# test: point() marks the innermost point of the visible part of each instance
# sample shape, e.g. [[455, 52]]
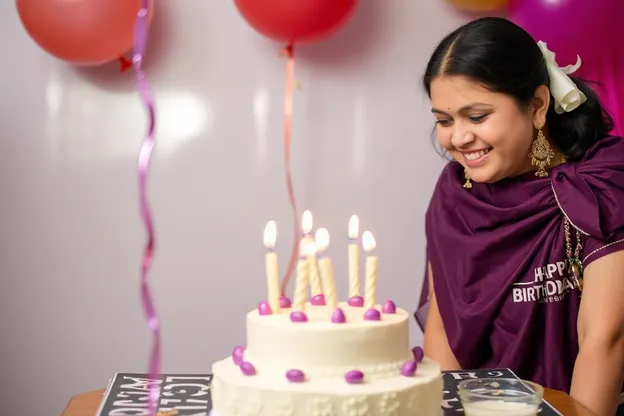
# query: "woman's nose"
[[462, 137]]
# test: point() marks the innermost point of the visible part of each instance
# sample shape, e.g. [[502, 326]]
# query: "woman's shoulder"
[[605, 155], [447, 184], [608, 148], [591, 192], [450, 177]]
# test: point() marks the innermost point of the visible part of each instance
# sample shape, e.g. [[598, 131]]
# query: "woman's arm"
[[436, 344], [599, 368]]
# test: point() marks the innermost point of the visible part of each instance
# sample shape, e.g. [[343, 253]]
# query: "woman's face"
[[484, 131]]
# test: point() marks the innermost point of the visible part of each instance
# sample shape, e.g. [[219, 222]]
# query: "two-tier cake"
[[326, 358]]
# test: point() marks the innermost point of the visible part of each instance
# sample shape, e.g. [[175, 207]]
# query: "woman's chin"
[[484, 176]]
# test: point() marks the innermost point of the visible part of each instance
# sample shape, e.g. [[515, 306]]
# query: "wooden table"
[[87, 404]]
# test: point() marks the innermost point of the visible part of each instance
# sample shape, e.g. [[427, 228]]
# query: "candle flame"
[[307, 248], [270, 235], [354, 227], [322, 239], [310, 248], [368, 241], [306, 222]]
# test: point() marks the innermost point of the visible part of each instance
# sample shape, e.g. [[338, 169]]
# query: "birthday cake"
[[321, 357]]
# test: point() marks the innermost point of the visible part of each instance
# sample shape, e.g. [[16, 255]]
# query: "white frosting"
[[321, 348], [234, 394], [324, 351], [499, 407]]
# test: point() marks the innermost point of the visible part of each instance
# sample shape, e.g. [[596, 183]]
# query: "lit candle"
[[372, 264], [307, 247], [315, 280], [306, 230], [272, 268], [354, 257], [301, 284], [326, 268]]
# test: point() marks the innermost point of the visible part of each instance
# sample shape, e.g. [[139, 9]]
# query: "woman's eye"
[[443, 122], [477, 119]]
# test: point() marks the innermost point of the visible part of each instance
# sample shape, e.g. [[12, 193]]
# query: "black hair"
[[505, 58]]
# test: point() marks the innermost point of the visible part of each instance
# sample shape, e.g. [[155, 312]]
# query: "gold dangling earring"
[[541, 153], [467, 184]]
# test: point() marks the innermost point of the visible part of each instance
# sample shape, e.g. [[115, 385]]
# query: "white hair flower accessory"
[[565, 92]]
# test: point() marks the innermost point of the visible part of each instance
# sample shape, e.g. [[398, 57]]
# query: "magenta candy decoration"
[[295, 376], [237, 354], [409, 368], [285, 302], [419, 354], [264, 308], [298, 316], [356, 301], [338, 317], [372, 315], [247, 368], [318, 300], [389, 307], [354, 377]]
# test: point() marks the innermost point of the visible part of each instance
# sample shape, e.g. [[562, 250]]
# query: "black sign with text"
[[127, 394], [189, 394], [451, 403]]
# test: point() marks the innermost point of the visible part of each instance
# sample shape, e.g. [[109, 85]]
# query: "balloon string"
[[288, 111], [140, 42]]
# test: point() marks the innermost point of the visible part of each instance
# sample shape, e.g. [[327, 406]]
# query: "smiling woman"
[[533, 197], [483, 130], [487, 96]]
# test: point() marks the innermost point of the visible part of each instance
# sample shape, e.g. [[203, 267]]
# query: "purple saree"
[[498, 257]]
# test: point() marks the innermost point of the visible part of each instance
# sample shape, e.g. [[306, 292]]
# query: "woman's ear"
[[541, 101]]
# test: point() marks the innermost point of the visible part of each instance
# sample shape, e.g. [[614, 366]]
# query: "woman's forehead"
[[453, 93]]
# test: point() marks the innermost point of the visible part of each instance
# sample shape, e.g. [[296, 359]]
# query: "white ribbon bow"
[[565, 92]]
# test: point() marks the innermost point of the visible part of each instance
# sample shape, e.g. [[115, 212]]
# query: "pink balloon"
[[82, 32], [571, 27], [591, 29]]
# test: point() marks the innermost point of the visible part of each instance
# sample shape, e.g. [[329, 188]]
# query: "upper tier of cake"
[[321, 348]]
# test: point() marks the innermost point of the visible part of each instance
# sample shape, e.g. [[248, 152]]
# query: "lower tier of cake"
[[236, 394]]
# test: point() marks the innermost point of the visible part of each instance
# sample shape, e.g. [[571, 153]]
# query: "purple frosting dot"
[[354, 377], [389, 307], [409, 368], [247, 368], [419, 354], [356, 301], [237, 354], [298, 316], [295, 376], [285, 302], [264, 308], [338, 317], [318, 300], [372, 315]]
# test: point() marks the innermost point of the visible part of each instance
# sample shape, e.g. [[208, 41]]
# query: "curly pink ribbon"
[[140, 42], [289, 53]]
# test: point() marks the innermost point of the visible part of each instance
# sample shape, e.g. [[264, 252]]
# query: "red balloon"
[[296, 21], [89, 32]]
